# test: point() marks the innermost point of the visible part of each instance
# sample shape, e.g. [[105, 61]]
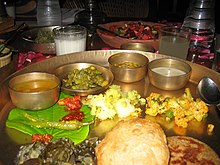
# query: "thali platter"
[[10, 140]]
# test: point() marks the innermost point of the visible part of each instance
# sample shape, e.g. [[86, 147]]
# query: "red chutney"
[[43, 138], [74, 115], [73, 103]]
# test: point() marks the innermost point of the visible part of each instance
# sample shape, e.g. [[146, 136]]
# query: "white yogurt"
[[167, 71]]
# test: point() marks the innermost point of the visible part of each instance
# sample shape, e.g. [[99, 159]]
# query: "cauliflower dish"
[[115, 102], [181, 109]]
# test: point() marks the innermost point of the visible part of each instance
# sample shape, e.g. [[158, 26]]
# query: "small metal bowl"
[[126, 74], [34, 91], [138, 46], [63, 71], [169, 74]]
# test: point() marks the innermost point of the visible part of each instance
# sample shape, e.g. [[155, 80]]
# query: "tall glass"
[[216, 63], [174, 41], [70, 39]]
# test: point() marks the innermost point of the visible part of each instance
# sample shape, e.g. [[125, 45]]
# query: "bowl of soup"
[[34, 91]]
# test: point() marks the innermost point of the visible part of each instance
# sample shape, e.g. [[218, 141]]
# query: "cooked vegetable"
[[67, 125], [58, 152], [127, 65], [136, 30], [115, 102], [17, 118], [183, 109], [86, 78], [44, 36], [61, 151]]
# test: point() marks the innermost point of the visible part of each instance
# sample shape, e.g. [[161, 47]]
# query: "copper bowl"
[[128, 75], [169, 74], [34, 91]]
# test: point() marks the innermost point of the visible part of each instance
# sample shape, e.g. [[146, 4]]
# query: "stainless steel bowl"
[[138, 46], [169, 74], [128, 75], [29, 37], [34, 91], [63, 71]]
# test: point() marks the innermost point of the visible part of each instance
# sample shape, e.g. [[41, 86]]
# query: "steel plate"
[[10, 140]]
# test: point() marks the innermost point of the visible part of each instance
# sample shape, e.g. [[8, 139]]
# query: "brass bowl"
[[128, 75], [63, 71], [29, 37], [169, 74], [34, 91], [138, 46]]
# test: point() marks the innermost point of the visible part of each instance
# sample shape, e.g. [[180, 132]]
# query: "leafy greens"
[[17, 120]]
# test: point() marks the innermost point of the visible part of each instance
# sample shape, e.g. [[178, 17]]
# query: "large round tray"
[[10, 140]]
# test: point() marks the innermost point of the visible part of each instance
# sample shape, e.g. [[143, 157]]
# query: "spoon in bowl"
[[209, 92]]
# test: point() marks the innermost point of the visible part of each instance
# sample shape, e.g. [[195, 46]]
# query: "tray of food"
[[175, 122]]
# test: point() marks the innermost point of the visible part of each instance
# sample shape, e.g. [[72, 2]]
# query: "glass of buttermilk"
[[70, 39]]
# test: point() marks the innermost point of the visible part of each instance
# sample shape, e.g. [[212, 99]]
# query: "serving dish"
[[5, 54], [29, 38], [10, 139], [169, 74], [38, 88], [63, 71], [116, 41], [128, 67]]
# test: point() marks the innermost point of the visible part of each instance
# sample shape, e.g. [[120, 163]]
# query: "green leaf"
[[16, 120]]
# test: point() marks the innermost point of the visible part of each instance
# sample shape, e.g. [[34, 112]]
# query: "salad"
[[136, 30]]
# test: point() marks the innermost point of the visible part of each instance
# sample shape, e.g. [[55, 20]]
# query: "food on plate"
[[136, 30], [86, 78], [61, 151], [190, 151], [127, 65], [37, 85], [65, 125], [115, 102], [44, 36], [182, 109], [135, 141], [210, 128], [57, 121]]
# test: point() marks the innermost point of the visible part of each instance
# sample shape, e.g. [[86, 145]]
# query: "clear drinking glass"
[[216, 63], [174, 41], [70, 39]]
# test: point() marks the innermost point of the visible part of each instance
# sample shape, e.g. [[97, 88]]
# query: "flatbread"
[[134, 142], [186, 150]]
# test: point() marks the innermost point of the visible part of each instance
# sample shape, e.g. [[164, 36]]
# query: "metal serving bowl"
[[169, 74], [63, 71], [30, 36], [34, 91], [126, 74]]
